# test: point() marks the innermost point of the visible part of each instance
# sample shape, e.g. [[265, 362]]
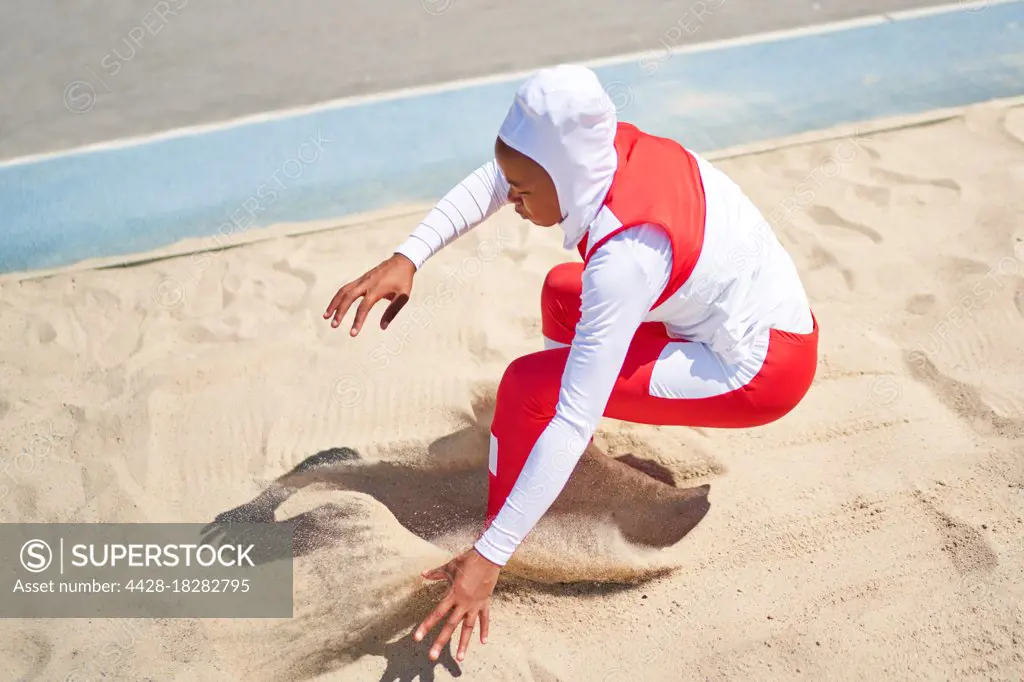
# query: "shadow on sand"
[[445, 493]]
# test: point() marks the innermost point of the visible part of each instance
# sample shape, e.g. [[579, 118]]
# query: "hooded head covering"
[[564, 120]]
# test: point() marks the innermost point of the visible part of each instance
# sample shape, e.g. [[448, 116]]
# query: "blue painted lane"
[[374, 155]]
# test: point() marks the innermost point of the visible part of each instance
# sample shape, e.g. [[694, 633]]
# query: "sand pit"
[[877, 532]]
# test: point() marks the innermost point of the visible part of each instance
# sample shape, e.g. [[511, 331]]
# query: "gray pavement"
[[160, 64]]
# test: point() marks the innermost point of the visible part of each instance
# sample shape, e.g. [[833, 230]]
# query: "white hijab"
[[564, 120]]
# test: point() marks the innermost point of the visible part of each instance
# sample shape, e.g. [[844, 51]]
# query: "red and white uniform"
[[685, 309]]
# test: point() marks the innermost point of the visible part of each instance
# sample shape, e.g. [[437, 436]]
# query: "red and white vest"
[[657, 182]]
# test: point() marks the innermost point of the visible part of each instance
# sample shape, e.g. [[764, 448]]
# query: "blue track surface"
[[64, 209]]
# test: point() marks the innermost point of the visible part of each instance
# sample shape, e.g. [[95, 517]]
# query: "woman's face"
[[531, 189]]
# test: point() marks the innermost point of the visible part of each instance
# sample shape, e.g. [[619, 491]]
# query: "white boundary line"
[[404, 93], [201, 244], [972, 7]]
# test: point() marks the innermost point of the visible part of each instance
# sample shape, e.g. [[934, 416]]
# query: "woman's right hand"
[[391, 280]]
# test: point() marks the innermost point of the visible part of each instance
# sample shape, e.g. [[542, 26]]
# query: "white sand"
[[874, 533]]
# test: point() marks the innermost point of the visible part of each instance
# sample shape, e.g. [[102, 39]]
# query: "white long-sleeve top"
[[621, 282]]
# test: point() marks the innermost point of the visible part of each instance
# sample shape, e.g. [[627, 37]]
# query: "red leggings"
[[528, 392]]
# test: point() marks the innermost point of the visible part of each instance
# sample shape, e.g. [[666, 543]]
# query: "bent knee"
[[532, 382], [560, 302], [564, 281]]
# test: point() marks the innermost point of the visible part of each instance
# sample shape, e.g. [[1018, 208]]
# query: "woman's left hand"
[[472, 579]]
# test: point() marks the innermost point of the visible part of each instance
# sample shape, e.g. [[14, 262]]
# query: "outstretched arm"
[[467, 205], [621, 282], [464, 207]]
